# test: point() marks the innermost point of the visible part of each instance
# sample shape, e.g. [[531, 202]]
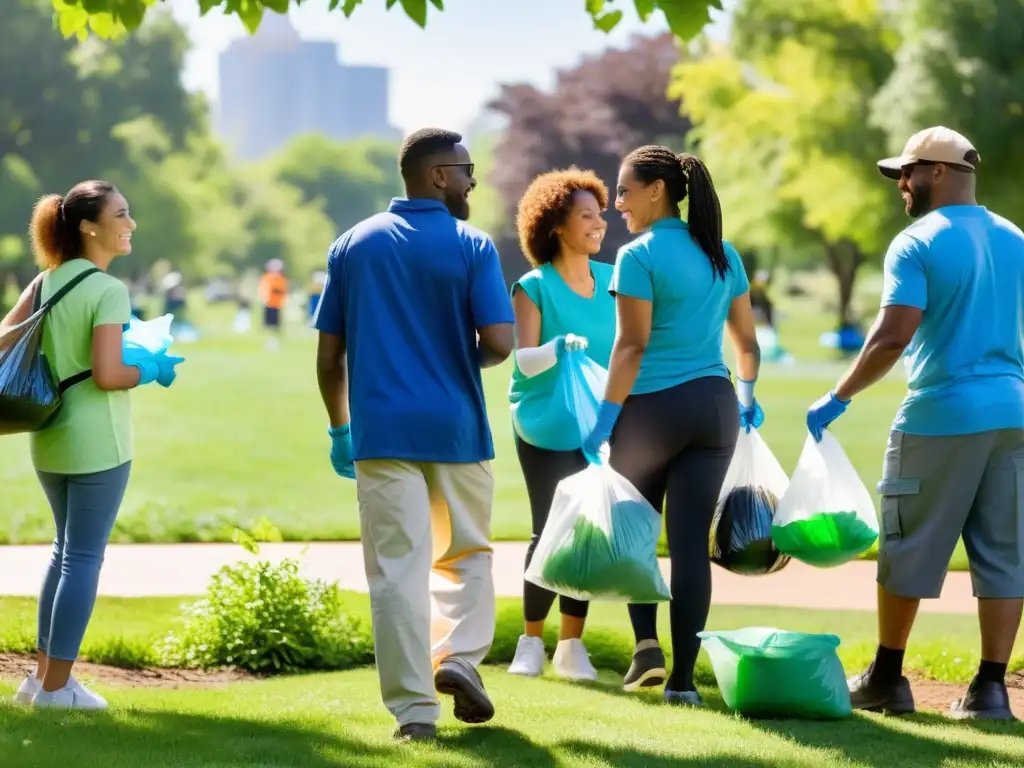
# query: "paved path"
[[150, 570]]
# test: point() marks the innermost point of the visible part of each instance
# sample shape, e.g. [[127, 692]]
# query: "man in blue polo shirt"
[[414, 306], [953, 298]]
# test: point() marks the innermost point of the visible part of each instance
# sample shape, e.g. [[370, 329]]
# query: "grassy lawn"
[[337, 719], [944, 647], [242, 435]]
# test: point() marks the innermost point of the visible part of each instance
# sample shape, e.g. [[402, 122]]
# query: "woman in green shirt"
[[83, 458], [560, 228]]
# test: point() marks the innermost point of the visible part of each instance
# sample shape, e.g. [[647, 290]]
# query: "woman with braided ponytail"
[[669, 399]]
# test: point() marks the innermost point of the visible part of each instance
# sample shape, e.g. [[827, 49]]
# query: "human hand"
[[607, 415], [752, 417], [572, 342], [166, 364], [341, 451], [821, 415]]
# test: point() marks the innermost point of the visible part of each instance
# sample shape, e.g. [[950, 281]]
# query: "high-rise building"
[[275, 86]]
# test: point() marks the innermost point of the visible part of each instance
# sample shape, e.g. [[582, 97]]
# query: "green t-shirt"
[[93, 431], [563, 311]]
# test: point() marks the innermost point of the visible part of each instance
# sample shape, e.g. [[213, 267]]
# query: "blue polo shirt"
[[964, 268], [666, 267], [407, 289]]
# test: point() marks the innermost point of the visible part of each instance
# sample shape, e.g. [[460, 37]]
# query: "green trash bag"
[[600, 541], [766, 672], [826, 517]]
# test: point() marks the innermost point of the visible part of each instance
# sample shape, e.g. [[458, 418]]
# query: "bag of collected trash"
[[826, 517], [559, 421], [152, 335], [767, 672], [741, 530], [600, 541], [30, 395]]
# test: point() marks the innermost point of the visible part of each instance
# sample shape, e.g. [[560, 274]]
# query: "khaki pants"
[[426, 543]]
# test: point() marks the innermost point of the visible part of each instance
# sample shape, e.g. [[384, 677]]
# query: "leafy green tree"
[[781, 118], [109, 18], [351, 180]]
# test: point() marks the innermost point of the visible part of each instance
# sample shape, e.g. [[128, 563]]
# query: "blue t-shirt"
[[562, 311], [407, 290], [691, 301], [964, 268]]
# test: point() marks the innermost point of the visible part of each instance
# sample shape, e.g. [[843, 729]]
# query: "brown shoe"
[[416, 732]]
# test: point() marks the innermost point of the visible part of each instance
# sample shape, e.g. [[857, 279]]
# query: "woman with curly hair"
[[669, 399], [562, 303]]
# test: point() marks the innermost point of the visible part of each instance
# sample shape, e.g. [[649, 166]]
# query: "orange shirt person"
[[273, 294]]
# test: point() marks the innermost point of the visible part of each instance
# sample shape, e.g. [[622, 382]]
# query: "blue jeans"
[[84, 509]]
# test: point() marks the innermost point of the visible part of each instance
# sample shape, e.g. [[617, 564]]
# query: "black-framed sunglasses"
[[468, 166], [909, 169]]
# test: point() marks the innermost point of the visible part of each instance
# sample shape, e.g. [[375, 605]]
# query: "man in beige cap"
[[954, 466]]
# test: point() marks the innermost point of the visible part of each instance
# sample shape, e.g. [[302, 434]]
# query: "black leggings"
[[675, 447], [543, 470]]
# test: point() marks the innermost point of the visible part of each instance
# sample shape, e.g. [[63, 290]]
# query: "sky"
[[445, 74]]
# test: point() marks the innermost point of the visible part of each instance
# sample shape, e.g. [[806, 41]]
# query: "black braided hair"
[[681, 174]]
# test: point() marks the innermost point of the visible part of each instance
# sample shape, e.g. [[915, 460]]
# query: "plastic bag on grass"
[[560, 422], [741, 530], [826, 517], [600, 541], [766, 672]]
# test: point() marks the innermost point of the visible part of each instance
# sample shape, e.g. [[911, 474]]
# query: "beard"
[[458, 206], [920, 201]]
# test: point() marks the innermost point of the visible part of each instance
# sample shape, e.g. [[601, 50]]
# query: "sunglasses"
[[468, 166]]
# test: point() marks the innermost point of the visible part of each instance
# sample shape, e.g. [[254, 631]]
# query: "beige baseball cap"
[[934, 145]]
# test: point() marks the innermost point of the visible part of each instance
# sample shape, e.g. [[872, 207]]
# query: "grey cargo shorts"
[[937, 489]]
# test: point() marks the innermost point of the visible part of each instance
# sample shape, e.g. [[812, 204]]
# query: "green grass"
[[123, 632], [242, 434], [337, 719], [327, 720]]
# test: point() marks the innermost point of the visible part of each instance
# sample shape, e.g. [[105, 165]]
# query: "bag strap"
[[78, 378]]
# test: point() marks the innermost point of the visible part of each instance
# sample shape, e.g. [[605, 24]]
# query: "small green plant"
[[267, 618]]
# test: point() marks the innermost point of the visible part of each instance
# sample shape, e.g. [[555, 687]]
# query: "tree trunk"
[[844, 259]]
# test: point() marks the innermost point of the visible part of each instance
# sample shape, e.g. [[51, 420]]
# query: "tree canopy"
[[109, 18]]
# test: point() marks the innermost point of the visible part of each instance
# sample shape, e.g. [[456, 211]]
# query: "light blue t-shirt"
[[964, 268], [564, 311], [691, 302], [407, 290]]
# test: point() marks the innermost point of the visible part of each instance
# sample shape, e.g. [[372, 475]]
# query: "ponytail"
[[55, 230], [46, 232], [686, 175], [705, 212]]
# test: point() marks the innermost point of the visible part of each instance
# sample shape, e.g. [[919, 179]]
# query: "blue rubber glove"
[[821, 415], [166, 364], [148, 370], [132, 354], [607, 415], [341, 451], [751, 415]]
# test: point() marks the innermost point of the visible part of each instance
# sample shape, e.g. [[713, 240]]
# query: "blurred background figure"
[[316, 289], [274, 296]]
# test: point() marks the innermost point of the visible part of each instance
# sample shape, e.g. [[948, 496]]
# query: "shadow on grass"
[[640, 759], [921, 739]]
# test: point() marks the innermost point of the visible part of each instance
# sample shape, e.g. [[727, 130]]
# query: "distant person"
[[315, 291], [670, 410], [273, 290], [560, 228], [760, 301], [84, 457], [951, 299], [415, 305]]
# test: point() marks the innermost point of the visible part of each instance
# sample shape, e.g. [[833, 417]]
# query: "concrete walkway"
[[151, 570]]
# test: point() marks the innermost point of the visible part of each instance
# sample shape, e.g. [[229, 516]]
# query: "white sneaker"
[[28, 688], [529, 659], [74, 695], [572, 661]]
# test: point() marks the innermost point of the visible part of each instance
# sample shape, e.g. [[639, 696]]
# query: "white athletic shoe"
[[529, 659], [572, 661], [28, 688], [74, 695]]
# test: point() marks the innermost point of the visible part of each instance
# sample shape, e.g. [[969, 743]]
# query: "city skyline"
[[443, 75]]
